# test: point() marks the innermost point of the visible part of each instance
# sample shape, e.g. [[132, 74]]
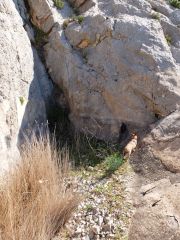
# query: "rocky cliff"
[[118, 62], [24, 84]]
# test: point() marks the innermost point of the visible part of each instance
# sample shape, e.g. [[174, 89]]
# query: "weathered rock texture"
[[22, 81], [116, 66], [120, 63], [164, 142], [157, 162], [158, 214]]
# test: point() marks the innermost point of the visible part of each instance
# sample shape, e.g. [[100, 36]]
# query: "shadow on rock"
[[32, 112]]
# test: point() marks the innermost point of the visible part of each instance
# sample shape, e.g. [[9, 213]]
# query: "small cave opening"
[[59, 124], [123, 132]]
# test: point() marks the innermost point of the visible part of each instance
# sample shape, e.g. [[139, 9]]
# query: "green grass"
[[84, 150], [58, 3], [113, 162], [22, 100], [175, 3], [89, 208], [79, 18], [99, 189], [156, 16], [40, 37], [168, 39], [89, 151]]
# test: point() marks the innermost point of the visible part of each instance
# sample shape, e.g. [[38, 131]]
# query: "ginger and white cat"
[[130, 147]]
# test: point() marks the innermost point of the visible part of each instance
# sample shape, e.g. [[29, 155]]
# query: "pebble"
[[100, 220], [95, 217], [106, 228]]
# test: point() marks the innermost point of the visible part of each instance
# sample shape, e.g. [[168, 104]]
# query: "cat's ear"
[[134, 135]]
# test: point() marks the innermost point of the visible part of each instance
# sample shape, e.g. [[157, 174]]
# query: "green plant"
[[89, 151], [89, 207], [59, 4], [80, 19], [40, 37], [168, 39], [84, 150], [175, 3], [113, 162], [22, 100], [156, 16], [99, 189], [65, 24]]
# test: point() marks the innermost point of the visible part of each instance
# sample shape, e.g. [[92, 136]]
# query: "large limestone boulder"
[[24, 85], [118, 64], [165, 142], [157, 162], [159, 151], [121, 64]]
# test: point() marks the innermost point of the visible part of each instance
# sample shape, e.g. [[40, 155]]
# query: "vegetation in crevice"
[[22, 100], [40, 37], [59, 3], [79, 19], [156, 16], [168, 39], [175, 3]]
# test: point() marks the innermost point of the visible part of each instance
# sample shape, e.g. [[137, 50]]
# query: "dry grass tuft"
[[34, 202]]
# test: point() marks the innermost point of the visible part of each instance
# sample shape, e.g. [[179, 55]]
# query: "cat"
[[130, 147]]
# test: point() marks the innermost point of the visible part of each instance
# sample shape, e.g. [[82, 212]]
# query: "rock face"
[[157, 161], [158, 214], [117, 64], [22, 81], [121, 64], [160, 149], [164, 142]]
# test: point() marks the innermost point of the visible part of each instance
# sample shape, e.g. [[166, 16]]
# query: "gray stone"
[[106, 227], [166, 142], [159, 150], [22, 105], [176, 54], [175, 17], [158, 214], [94, 230], [110, 63], [162, 7], [122, 65]]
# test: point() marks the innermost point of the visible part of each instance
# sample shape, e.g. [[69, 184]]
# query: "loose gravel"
[[106, 207]]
